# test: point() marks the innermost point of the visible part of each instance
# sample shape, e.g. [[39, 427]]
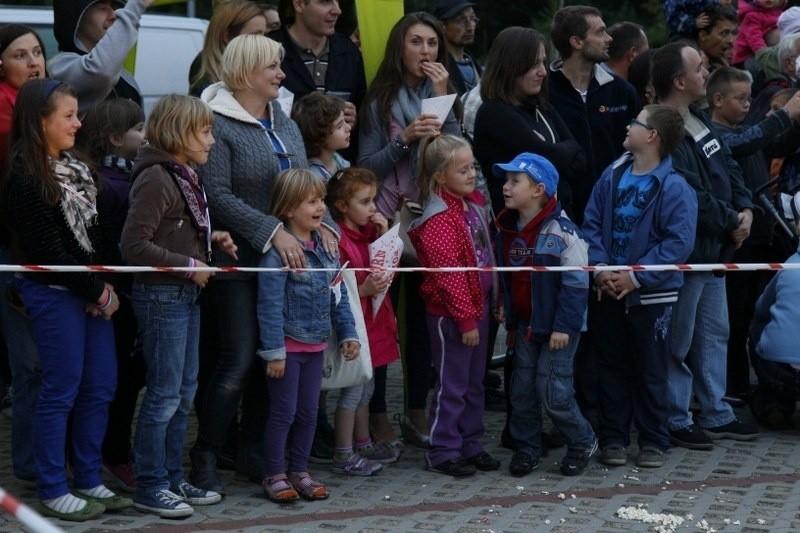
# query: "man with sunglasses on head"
[[459, 24]]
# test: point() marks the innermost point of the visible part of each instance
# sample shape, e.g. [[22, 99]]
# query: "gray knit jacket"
[[240, 172]]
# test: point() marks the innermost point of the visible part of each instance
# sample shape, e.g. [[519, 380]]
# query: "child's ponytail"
[[435, 152]]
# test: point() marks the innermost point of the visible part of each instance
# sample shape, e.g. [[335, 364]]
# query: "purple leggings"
[[293, 403]]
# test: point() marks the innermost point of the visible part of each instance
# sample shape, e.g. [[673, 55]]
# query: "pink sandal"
[[307, 487], [277, 489]]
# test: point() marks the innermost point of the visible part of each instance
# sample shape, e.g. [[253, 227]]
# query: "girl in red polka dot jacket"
[[453, 231]]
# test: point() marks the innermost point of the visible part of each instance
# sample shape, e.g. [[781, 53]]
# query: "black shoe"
[[575, 462], [483, 462], [203, 474], [495, 401], [454, 467], [522, 464], [691, 437], [736, 430]]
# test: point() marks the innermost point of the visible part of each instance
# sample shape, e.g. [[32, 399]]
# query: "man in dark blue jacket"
[[725, 213], [595, 105]]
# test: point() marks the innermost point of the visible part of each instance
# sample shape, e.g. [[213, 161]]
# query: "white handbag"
[[337, 372]]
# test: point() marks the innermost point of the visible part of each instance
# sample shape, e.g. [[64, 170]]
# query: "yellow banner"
[[375, 20]]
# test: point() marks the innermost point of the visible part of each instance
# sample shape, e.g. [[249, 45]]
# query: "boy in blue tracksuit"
[[545, 312], [640, 212]]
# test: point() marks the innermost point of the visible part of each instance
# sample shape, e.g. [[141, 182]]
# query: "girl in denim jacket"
[[296, 309]]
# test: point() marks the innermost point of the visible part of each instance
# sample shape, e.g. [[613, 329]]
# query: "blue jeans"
[[543, 378], [699, 331], [79, 374], [169, 323], [26, 378]]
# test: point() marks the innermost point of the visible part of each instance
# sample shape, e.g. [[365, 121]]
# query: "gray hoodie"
[[99, 73]]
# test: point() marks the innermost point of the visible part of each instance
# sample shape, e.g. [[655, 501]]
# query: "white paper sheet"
[[439, 106], [385, 253]]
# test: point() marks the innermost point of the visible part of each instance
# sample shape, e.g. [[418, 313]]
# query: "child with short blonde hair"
[[453, 231], [296, 310], [168, 225]]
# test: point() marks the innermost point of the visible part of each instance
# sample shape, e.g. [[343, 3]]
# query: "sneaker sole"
[[164, 513], [731, 436], [346, 472], [692, 445], [614, 462], [208, 500], [650, 464]]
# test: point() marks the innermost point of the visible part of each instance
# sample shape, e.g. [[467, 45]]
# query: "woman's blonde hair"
[[245, 54], [293, 187], [434, 154], [225, 24], [175, 120]]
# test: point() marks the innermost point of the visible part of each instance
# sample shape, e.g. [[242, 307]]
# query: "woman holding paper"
[[392, 124], [255, 141]]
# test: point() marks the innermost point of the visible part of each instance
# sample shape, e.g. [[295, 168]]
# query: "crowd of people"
[[606, 154]]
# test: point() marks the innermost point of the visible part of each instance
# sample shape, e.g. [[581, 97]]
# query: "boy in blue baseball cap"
[[534, 231]]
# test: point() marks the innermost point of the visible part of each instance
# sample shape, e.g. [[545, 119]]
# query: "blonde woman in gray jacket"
[[255, 141]]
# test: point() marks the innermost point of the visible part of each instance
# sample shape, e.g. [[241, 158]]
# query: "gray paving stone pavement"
[[736, 487]]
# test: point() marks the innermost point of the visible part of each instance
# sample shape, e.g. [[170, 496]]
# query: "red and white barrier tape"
[[710, 267], [27, 516]]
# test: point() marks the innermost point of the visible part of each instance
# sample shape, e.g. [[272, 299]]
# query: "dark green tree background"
[[494, 14]]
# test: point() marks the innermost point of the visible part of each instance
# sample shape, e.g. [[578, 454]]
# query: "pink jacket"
[[381, 330], [755, 23], [442, 239]]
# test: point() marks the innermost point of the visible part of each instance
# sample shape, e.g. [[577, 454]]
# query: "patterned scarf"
[[195, 197], [78, 198]]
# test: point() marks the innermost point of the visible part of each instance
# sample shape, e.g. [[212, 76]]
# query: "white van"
[[166, 48]]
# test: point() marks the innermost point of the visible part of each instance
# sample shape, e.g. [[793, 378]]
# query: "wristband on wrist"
[[398, 142], [192, 263], [108, 301]]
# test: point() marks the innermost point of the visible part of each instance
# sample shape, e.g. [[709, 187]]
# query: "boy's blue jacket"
[[300, 304], [663, 234], [558, 299]]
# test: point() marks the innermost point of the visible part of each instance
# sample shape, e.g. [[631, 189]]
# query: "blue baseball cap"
[[539, 169]]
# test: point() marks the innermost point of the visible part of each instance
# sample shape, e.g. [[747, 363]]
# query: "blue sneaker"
[[194, 496], [162, 503]]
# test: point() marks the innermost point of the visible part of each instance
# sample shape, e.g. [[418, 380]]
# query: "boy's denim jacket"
[[301, 304]]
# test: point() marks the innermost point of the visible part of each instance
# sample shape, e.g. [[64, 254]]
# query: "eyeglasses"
[[741, 99], [635, 122], [464, 21]]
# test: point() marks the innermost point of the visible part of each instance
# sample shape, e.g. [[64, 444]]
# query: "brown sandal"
[[307, 487], [278, 489]]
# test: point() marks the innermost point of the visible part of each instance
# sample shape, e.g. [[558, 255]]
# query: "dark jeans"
[[632, 348], [743, 289], [778, 387], [233, 302]]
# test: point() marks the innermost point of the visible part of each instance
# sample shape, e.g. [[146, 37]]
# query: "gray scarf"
[[78, 196], [406, 107]]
